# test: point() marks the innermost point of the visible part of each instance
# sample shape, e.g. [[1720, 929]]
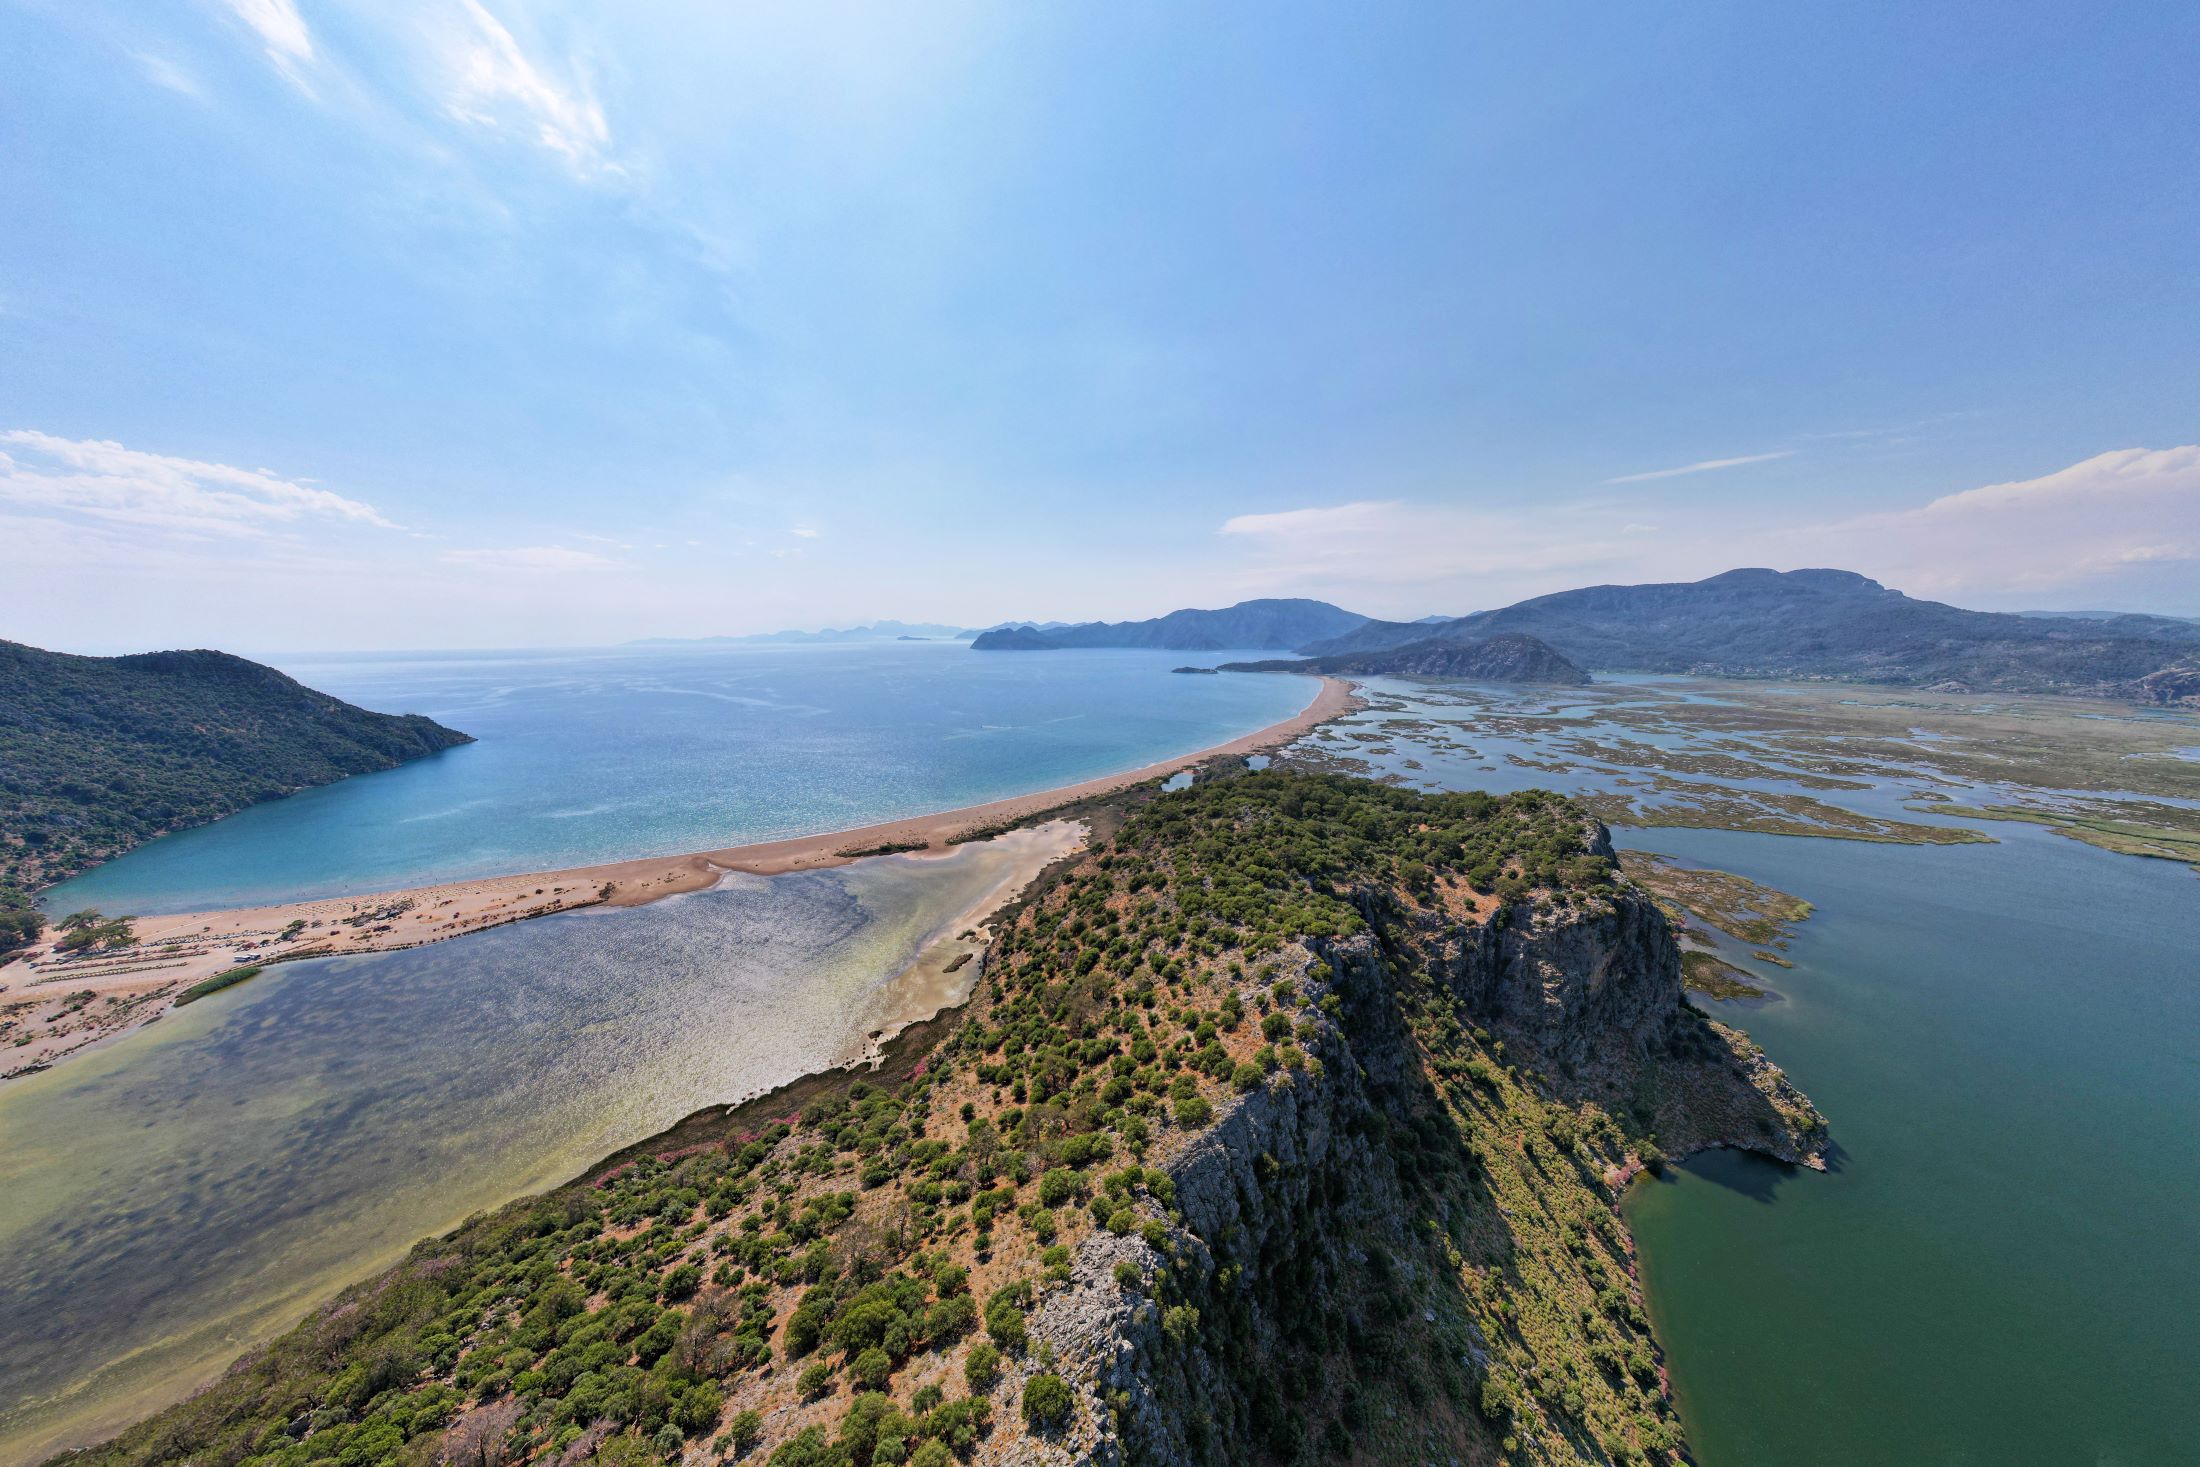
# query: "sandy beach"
[[67, 1005]]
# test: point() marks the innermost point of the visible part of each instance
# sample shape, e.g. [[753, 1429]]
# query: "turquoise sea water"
[[601, 755], [2004, 1266]]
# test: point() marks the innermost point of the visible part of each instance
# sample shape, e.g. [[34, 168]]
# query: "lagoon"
[[168, 1200]]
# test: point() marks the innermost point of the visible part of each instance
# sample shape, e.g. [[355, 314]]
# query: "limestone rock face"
[[1290, 1182]]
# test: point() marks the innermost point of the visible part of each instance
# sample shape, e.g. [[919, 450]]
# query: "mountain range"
[[1752, 623], [877, 631], [1266, 625]]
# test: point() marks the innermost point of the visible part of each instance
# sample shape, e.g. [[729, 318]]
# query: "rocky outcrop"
[[1294, 1219], [2178, 685]]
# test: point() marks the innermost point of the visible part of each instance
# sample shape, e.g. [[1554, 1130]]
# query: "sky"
[[333, 324]]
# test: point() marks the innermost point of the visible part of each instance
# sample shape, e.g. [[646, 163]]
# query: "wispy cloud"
[[104, 480], [281, 29], [1374, 545], [165, 73], [1704, 466], [551, 558], [497, 85], [2112, 515]]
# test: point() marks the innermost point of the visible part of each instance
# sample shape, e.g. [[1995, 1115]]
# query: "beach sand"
[[67, 1005]]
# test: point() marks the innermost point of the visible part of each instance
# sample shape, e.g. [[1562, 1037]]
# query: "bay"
[[602, 755]]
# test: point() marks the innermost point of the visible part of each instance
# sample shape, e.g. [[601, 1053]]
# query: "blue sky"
[[482, 322]]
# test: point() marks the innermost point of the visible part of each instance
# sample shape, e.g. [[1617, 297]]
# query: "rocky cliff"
[[1397, 1208]]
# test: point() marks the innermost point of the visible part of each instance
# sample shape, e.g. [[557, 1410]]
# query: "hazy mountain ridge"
[[1278, 624], [1821, 624], [876, 631]]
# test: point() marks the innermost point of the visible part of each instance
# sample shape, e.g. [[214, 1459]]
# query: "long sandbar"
[[134, 987]]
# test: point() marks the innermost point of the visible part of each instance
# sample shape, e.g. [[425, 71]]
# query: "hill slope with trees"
[[98, 754]]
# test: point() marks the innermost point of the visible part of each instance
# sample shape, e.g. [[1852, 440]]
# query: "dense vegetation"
[[1818, 623], [866, 1280], [98, 754]]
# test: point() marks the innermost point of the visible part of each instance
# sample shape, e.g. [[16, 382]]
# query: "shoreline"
[[76, 1004]]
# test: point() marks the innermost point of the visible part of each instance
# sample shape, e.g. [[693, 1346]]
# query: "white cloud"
[[102, 480], [165, 73], [281, 29], [495, 84], [1376, 547], [2120, 528], [1703, 467], [2115, 515], [531, 558], [807, 532]]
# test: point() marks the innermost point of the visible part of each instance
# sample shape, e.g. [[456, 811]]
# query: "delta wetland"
[[1991, 997]]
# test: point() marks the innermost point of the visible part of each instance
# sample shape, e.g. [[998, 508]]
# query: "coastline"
[[78, 1004]]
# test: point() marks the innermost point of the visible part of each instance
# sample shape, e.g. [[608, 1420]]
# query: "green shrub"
[[1046, 1401], [745, 1431]]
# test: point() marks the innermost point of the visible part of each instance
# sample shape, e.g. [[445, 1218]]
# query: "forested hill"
[[98, 754], [1824, 623], [1261, 625]]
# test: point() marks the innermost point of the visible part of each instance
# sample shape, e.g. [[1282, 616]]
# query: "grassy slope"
[[859, 1262]]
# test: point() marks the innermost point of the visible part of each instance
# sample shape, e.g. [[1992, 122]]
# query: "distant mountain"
[[1015, 639], [1510, 658], [1819, 624], [98, 754], [1278, 624], [877, 631]]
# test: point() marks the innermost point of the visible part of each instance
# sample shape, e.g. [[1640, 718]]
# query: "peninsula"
[[1287, 1123]]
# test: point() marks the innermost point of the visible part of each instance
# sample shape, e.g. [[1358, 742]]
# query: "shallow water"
[[602, 755], [2005, 1266], [176, 1196]]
